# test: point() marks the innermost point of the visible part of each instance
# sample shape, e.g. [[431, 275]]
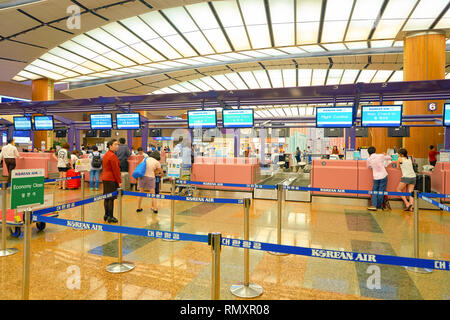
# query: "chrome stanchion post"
[[416, 236], [5, 251], [82, 198], [26, 255], [172, 210], [121, 266], [280, 193], [247, 289], [215, 239]]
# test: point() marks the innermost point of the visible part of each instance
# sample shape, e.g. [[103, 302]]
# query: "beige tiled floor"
[[70, 264]]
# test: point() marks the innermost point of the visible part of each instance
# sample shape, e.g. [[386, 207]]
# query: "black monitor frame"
[[197, 127], [139, 117], [29, 119], [382, 126], [36, 129], [234, 127], [90, 121], [342, 126]]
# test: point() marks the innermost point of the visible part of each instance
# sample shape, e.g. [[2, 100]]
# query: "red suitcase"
[[73, 183]]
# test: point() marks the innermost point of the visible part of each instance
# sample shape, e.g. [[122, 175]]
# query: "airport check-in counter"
[[35, 160], [440, 178]]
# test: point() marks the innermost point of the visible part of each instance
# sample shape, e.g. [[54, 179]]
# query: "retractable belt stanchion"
[[247, 289], [82, 198], [280, 193], [5, 251], [172, 210], [121, 266], [416, 237], [214, 240], [26, 255]]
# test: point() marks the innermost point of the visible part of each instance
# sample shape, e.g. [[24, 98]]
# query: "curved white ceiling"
[[222, 31]]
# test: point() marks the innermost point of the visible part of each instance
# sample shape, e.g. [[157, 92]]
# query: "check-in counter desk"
[[35, 160], [349, 175], [440, 178], [226, 170]]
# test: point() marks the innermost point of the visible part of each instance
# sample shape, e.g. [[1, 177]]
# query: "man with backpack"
[[96, 165]]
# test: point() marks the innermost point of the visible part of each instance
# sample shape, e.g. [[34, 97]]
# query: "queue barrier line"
[[74, 204], [434, 202], [255, 245], [219, 184], [182, 198], [49, 180]]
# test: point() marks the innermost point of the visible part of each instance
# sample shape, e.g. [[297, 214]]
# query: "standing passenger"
[[408, 180], [111, 178], [380, 176], [64, 164], [96, 166], [432, 156], [148, 181], [9, 153]]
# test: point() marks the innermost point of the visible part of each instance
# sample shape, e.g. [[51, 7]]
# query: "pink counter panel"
[[350, 175], [35, 160], [440, 178]]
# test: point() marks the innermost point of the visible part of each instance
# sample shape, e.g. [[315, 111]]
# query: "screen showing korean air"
[[447, 114], [43, 122], [127, 121], [381, 116], [22, 123], [334, 117], [237, 118], [202, 119], [101, 121]]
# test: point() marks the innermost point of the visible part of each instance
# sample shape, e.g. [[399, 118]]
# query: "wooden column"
[[42, 89], [423, 59]]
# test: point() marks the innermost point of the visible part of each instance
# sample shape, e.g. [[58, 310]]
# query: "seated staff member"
[[380, 176], [112, 178], [9, 154], [148, 181], [432, 156], [408, 180]]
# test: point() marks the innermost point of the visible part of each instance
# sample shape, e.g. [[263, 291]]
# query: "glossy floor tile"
[[69, 264]]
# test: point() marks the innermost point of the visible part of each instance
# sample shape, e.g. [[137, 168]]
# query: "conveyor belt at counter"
[[275, 179]]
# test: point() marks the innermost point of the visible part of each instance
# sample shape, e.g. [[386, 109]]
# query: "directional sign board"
[[27, 188]]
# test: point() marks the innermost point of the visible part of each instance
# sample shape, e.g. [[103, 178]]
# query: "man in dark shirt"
[[123, 153], [111, 178]]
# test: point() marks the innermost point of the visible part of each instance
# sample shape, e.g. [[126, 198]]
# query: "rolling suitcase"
[[73, 183], [423, 183]]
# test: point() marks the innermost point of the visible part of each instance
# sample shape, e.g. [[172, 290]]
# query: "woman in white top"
[[147, 182], [64, 164], [408, 180]]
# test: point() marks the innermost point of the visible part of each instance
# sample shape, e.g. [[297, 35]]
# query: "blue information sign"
[[446, 121], [381, 116], [43, 122], [22, 123], [102, 121], [127, 121], [202, 119], [334, 117]]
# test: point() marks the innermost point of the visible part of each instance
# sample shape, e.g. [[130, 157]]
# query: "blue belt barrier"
[[434, 195], [334, 190], [121, 229], [218, 184], [192, 199], [434, 202], [71, 205], [8, 184], [255, 245]]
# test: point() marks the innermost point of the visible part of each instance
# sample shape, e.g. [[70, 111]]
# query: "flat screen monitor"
[[60, 133], [333, 133], [154, 133], [361, 132], [21, 136], [102, 121], [127, 121], [398, 132], [202, 119], [381, 116], [43, 123], [334, 117], [22, 123], [446, 117], [91, 133], [104, 133], [240, 118]]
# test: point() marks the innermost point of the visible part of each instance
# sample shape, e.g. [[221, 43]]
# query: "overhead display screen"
[[381, 116], [202, 119], [334, 117], [43, 123], [101, 121], [241, 118], [446, 114], [22, 123], [21, 136], [127, 121]]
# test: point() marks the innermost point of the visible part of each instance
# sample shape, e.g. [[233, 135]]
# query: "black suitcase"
[[423, 183]]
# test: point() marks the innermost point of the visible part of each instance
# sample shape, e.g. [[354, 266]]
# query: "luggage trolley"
[[14, 220]]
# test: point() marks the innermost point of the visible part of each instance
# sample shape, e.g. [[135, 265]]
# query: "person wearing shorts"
[[148, 181], [408, 180], [64, 164]]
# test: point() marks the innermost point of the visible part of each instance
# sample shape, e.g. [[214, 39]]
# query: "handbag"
[[139, 172]]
